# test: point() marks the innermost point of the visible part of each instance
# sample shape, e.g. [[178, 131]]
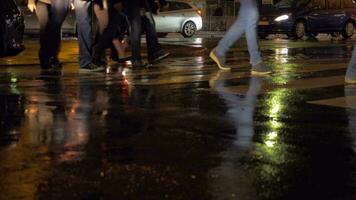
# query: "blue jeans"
[[83, 16], [351, 69], [50, 17], [246, 22]]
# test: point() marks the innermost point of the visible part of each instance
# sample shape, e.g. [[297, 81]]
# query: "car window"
[[348, 4], [334, 4], [7, 6], [178, 6], [283, 4], [319, 4]]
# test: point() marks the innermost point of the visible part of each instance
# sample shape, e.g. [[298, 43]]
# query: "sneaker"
[[91, 67], [139, 64], [261, 69], [350, 76], [160, 56], [220, 61]]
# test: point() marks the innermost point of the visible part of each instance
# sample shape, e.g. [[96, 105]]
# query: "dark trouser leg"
[[42, 12], [136, 25], [58, 13], [104, 42], [153, 46]]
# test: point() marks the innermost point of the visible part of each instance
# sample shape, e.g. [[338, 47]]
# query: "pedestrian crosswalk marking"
[[342, 102], [300, 84]]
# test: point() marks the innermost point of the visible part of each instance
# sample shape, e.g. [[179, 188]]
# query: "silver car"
[[180, 17]]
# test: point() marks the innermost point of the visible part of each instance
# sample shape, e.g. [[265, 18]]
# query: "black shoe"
[[123, 60], [158, 57], [51, 63], [92, 67], [54, 63], [139, 64]]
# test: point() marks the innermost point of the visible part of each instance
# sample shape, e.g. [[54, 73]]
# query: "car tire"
[[299, 30], [189, 29], [348, 30]]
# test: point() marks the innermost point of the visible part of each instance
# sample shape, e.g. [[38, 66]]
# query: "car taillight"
[[199, 12]]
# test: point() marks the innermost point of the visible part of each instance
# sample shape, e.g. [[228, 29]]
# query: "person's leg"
[[59, 9], [251, 16], [135, 35], [42, 12], [232, 35], [104, 42], [350, 76], [154, 50], [83, 16], [102, 16]]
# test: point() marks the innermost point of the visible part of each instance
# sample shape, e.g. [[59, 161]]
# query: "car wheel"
[[189, 29], [349, 29], [299, 30]]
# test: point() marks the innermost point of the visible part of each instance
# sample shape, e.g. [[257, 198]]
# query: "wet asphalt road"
[[181, 129]]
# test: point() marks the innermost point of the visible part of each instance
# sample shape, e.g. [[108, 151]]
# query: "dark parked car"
[[11, 28], [296, 18]]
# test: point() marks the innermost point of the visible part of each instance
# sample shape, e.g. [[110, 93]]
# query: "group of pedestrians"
[[116, 18], [135, 17]]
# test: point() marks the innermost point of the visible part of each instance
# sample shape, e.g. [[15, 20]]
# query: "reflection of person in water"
[[350, 76], [240, 109], [350, 91]]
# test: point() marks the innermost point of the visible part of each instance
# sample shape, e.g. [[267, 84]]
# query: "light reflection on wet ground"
[[180, 130]]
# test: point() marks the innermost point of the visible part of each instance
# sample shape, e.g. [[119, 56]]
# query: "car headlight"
[[282, 18]]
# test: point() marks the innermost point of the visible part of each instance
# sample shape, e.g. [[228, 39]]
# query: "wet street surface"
[[181, 129]]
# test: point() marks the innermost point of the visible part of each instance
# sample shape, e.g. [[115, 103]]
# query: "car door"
[[170, 20], [336, 15], [316, 16]]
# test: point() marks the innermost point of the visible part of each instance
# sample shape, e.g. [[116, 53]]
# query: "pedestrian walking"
[[113, 34], [350, 76], [141, 20], [83, 13], [246, 23], [50, 14]]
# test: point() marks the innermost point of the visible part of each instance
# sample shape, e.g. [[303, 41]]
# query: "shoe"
[[123, 60], [139, 64], [158, 57], [92, 67], [51, 63], [54, 63], [260, 69], [220, 61], [350, 76]]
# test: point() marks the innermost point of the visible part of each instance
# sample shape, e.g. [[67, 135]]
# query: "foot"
[[158, 57], [54, 63], [350, 76], [92, 67], [219, 60], [139, 64], [51, 63], [123, 60], [261, 69]]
